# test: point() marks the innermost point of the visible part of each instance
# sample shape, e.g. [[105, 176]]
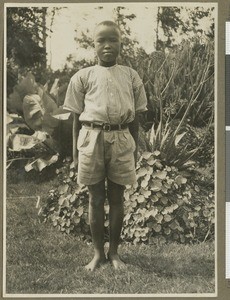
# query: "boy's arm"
[[134, 130], [76, 129]]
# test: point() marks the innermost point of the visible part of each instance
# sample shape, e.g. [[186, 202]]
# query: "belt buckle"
[[106, 127]]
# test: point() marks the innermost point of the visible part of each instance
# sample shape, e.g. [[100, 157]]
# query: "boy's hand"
[[76, 129], [75, 163], [134, 129]]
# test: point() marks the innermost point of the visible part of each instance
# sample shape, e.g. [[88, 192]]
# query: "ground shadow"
[[167, 267]]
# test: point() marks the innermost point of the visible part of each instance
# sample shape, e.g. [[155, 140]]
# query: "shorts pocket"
[[87, 141], [83, 138], [125, 147], [129, 140]]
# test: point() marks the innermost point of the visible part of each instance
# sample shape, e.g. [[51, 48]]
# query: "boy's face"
[[107, 42]]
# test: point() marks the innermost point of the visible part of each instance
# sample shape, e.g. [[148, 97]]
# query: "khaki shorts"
[[106, 154]]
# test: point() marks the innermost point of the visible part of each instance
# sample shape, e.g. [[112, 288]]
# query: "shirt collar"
[[112, 67]]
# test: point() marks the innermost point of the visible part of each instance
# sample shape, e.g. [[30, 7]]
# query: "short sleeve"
[[139, 93], [75, 95]]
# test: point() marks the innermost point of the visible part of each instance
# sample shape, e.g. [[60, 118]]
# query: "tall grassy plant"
[[179, 84], [180, 90]]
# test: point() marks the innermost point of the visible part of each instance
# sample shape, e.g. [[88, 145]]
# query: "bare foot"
[[95, 263], [116, 261]]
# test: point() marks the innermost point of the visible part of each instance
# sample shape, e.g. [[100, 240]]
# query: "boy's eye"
[[111, 40]]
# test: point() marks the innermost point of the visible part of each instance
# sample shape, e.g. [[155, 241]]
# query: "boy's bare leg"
[[116, 213], [96, 220]]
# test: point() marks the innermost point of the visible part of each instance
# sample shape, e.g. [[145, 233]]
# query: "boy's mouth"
[[108, 52]]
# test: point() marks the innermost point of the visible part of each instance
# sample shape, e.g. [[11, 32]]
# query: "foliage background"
[[176, 149]]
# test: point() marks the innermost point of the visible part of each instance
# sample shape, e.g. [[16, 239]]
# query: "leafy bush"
[[67, 204], [35, 112], [167, 203], [164, 203], [180, 145], [205, 154], [166, 139]]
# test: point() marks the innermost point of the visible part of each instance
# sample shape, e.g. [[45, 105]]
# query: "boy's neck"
[[105, 64]]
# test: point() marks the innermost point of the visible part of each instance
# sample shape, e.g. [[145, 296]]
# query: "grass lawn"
[[41, 260]]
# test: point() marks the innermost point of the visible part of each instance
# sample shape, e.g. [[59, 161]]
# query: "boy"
[[106, 100]]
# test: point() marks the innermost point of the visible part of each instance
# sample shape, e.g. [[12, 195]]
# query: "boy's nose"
[[107, 46]]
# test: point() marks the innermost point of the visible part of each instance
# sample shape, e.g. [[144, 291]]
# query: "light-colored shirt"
[[106, 94]]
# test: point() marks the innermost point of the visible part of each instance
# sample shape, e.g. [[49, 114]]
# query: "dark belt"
[[106, 126]]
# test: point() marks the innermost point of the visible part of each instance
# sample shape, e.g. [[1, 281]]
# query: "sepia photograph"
[[109, 115]]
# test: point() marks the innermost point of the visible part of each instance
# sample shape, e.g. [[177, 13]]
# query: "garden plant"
[[173, 199], [168, 234]]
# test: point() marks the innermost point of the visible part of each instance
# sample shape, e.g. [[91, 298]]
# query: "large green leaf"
[[40, 163], [18, 142]]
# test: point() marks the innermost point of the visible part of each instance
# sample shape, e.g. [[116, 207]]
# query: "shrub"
[[167, 203], [164, 203], [36, 119], [67, 204], [180, 145]]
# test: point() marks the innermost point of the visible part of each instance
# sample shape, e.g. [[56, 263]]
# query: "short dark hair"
[[108, 23]]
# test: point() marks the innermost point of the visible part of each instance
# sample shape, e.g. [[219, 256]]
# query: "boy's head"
[[107, 41]]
